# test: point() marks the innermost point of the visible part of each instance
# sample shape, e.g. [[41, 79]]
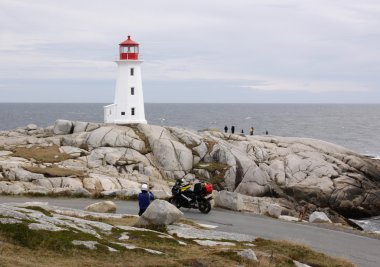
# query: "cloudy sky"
[[241, 51]]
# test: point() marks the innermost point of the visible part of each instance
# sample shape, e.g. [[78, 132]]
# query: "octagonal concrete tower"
[[128, 106]]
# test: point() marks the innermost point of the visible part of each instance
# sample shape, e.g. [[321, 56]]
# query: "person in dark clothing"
[[144, 198], [266, 132], [242, 132], [251, 131], [232, 129], [225, 129]]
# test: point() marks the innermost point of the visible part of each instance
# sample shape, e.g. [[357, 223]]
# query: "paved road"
[[363, 251]]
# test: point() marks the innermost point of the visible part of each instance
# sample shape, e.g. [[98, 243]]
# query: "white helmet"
[[144, 187]]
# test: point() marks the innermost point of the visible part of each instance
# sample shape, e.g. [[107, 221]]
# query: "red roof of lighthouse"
[[129, 42]]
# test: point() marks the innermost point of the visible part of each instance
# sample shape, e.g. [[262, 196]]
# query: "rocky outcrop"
[[113, 161]]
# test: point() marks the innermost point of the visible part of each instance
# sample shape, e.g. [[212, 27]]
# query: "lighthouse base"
[[123, 122], [112, 114]]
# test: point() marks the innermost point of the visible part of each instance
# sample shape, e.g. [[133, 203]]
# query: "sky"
[[199, 51]]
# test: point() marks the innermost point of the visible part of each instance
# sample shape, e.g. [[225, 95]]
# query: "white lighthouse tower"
[[128, 106]]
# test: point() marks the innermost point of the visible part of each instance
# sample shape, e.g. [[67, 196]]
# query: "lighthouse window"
[[123, 113], [132, 90], [132, 71], [132, 111]]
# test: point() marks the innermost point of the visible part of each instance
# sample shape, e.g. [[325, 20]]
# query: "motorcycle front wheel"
[[204, 206]]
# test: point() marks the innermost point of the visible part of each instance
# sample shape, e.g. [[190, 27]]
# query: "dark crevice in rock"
[[239, 173]]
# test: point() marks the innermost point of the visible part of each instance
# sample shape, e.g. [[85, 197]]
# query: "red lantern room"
[[129, 50]]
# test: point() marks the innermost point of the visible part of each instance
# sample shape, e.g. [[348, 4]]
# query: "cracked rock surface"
[[299, 174]]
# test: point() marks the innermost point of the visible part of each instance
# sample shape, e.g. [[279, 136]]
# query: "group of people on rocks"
[[251, 130]]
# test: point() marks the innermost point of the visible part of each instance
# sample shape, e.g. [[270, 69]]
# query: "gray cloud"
[[251, 51]]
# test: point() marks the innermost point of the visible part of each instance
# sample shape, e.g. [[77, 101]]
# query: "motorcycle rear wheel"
[[204, 206]]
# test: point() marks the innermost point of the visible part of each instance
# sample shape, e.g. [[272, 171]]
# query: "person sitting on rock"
[[144, 199]]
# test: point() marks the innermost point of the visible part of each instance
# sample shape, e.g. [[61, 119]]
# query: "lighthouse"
[[128, 105]]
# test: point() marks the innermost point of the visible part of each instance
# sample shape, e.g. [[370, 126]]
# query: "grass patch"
[[20, 246], [148, 237], [54, 171], [217, 171], [41, 248], [212, 167], [48, 154], [287, 250], [210, 145], [21, 235]]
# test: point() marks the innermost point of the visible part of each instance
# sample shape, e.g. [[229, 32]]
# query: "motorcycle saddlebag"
[[208, 188]]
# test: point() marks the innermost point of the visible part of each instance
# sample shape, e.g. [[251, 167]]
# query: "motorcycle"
[[199, 198]]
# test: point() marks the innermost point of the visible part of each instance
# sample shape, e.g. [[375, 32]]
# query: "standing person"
[[232, 129], [144, 199], [266, 132], [242, 132], [251, 131], [225, 129]]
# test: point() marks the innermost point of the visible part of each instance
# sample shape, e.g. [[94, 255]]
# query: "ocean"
[[355, 126]]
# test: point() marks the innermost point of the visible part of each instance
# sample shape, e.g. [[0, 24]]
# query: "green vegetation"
[[217, 171], [212, 167], [286, 250], [21, 246], [21, 235], [127, 221], [55, 171], [46, 154], [210, 145]]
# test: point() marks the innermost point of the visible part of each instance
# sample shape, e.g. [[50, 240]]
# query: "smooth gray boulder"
[[63, 127], [72, 151], [299, 264], [248, 254], [9, 188], [274, 210], [19, 174], [31, 127], [172, 155], [104, 206], [211, 243], [88, 244], [160, 212], [115, 136], [79, 126], [319, 217], [189, 232], [228, 200]]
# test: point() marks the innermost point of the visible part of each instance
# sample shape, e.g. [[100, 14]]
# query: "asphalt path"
[[361, 250]]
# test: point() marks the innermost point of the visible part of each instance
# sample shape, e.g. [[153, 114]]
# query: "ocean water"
[[355, 126]]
